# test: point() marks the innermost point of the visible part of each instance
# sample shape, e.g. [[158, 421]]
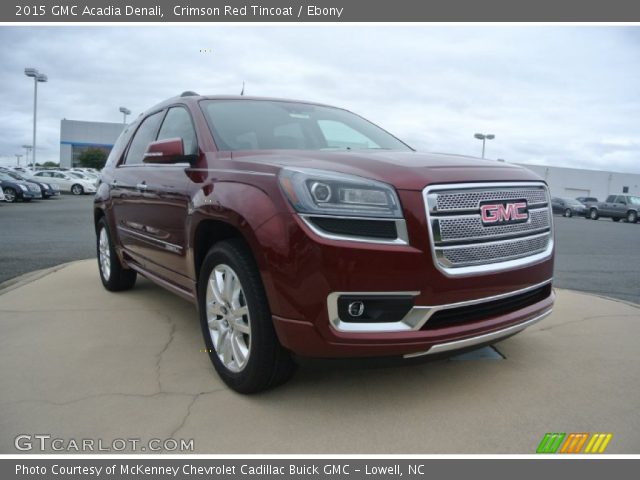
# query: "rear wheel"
[[114, 276], [632, 217], [236, 321], [10, 195], [77, 189], [593, 214], [615, 219], [567, 212]]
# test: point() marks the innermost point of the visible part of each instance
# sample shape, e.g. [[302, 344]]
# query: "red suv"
[[300, 228]]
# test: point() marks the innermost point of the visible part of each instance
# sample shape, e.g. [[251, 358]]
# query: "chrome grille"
[[470, 200], [470, 226], [501, 251], [461, 244]]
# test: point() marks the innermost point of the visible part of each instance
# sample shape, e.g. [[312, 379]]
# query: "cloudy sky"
[[565, 96]]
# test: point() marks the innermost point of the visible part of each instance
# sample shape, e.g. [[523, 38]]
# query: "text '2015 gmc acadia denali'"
[[302, 228]]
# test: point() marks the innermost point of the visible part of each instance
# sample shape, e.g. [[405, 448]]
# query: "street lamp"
[[125, 111], [484, 137], [27, 149], [18, 157], [37, 78]]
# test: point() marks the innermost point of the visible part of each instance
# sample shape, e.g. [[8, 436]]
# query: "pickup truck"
[[299, 229], [616, 207]]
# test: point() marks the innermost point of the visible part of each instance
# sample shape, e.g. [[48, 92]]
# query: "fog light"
[[356, 309], [321, 192]]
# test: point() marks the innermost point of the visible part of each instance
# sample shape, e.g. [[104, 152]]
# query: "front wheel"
[[568, 212], [593, 214], [236, 321], [632, 217], [114, 276], [77, 189], [10, 195]]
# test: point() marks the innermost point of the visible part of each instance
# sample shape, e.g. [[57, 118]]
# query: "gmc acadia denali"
[[299, 228]]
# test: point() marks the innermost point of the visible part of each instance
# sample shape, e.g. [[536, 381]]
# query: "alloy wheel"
[[104, 253], [228, 318]]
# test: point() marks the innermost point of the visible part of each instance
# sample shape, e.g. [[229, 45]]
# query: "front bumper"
[[301, 270]]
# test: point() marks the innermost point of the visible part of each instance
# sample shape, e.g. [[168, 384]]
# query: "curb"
[[27, 278]]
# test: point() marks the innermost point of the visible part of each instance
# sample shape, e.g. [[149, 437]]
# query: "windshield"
[[274, 125], [76, 174], [571, 201]]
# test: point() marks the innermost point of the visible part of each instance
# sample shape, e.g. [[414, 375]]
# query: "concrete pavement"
[[78, 362]]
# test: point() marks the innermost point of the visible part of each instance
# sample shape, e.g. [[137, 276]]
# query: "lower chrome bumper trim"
[[487, 337]]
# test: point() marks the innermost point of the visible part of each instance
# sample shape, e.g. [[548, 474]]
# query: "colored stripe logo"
[[574, 443]]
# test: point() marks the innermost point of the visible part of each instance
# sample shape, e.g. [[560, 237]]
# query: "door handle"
[[141, 186]]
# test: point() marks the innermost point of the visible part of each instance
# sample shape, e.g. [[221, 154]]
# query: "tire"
[[10, 195], [568, 213], [615, 219], [593, 214], [243, 347], [77, 189], [26, 200], [114, 276]]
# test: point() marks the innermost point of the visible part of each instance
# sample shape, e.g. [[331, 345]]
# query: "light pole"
[[18, 157], [27, 149], [125, 111], [37, 78], [484, 137]]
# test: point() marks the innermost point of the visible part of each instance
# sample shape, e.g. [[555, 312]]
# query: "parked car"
[[567, 206], [66, 182], [616, 207], [47, 190], [302, 228], [85, 176], [587, 200], [15, 190]]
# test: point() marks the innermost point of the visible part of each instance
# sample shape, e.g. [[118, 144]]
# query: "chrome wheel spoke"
[[228, 318]]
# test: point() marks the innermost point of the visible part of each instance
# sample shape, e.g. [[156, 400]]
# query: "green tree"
[[92, 158], [48, 164]]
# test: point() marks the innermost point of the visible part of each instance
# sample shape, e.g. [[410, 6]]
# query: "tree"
[[48, 164], [93, 158]]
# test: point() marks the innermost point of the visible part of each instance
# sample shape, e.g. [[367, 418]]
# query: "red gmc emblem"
[[501, 213]]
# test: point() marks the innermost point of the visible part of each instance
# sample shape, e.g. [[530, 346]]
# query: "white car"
[[66, 182], [84, 175]]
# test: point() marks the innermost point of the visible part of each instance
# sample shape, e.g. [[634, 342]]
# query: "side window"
[[144, 136], [340, 135], [621, 199], [177, 124], [611, 199]]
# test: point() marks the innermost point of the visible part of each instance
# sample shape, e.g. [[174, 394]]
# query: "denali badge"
[[504, 212]]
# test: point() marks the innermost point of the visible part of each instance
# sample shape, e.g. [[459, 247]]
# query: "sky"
[[557, 95]]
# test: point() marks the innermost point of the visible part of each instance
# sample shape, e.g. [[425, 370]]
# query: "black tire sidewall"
[[15, 195], [73, 187], [119, 278], [568, 213]]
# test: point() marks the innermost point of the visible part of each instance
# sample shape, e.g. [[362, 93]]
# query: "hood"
[[403, 170]]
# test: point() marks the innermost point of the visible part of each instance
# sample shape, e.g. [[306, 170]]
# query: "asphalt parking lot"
[[600, 257]]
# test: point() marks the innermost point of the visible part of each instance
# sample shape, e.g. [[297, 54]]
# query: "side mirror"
[[166, 151]]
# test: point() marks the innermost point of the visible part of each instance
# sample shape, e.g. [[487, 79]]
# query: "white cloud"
[[557, 95]]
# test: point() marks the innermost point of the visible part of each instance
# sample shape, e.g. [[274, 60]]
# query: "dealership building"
[[576, 182], [77, 136]]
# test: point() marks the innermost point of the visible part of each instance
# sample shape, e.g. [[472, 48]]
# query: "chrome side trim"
[[401, 229], [415, 319], [487, 337], [167, 246]]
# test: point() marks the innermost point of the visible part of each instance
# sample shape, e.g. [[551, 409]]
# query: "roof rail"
[[189, 93]]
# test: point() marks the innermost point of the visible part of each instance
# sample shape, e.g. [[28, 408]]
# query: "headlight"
[[24, 187], [322, 192]]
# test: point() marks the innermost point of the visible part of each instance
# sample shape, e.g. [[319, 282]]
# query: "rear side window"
[[145, 134], [178, 124], [611, 199]]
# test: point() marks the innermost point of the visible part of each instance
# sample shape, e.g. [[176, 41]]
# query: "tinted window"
[[145, 134], [268, 125], [611, 198], [177, 124]]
